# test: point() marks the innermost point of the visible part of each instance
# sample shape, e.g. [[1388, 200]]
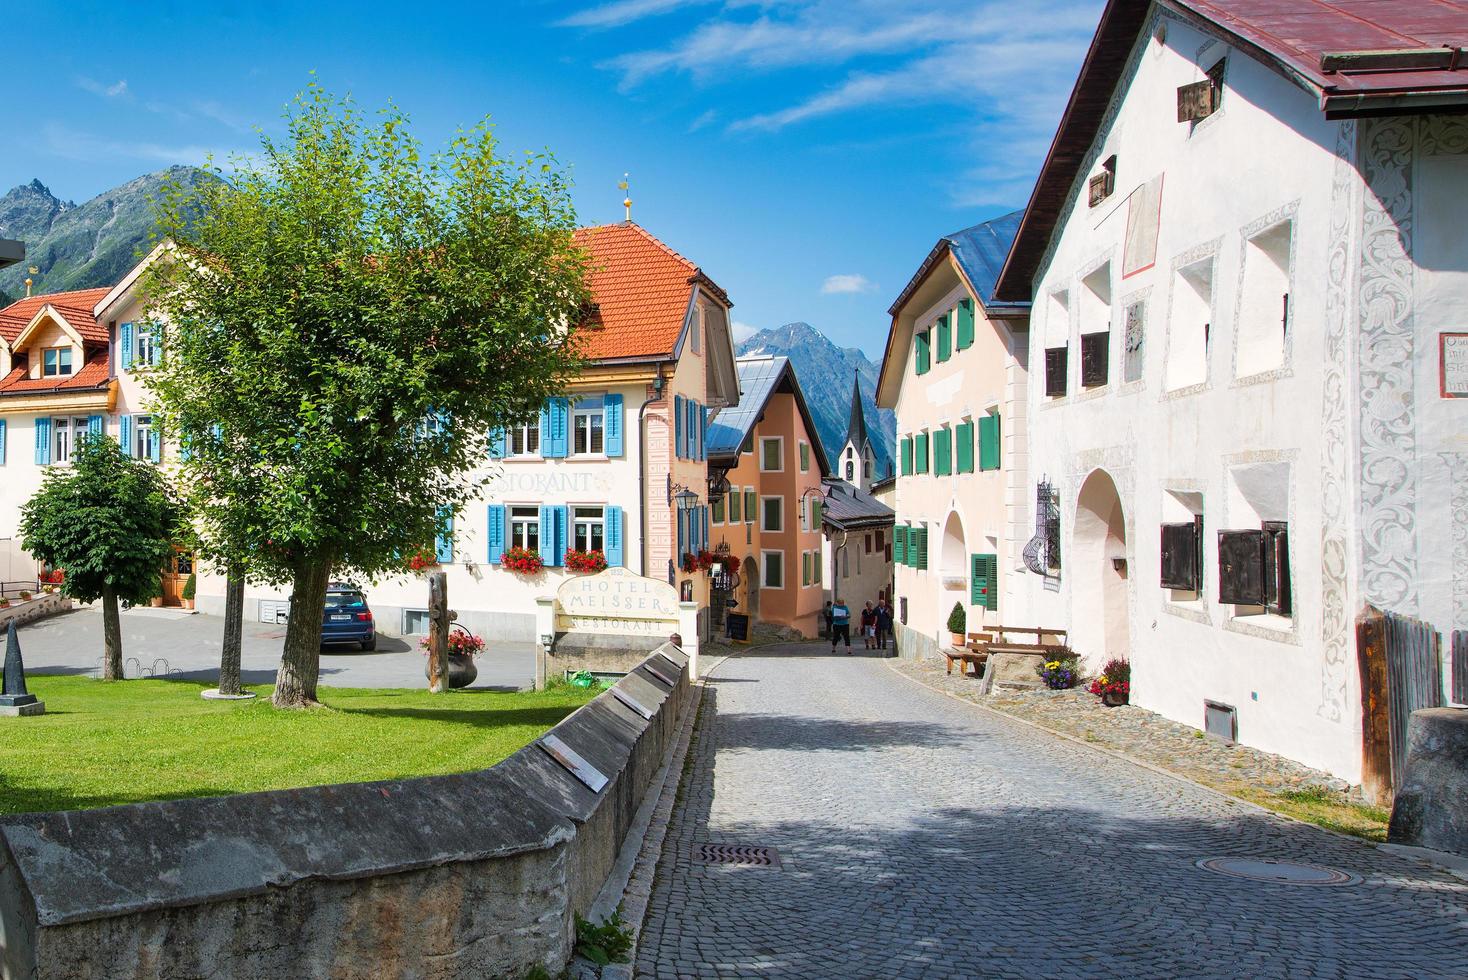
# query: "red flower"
[[586, 561], [522, 561]]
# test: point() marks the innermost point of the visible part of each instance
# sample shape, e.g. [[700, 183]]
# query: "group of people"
[[875, 624]]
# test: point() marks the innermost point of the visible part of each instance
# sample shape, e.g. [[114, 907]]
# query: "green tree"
[[110, 522], [346, 321]]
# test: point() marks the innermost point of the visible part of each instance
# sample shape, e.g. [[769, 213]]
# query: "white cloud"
[[622, 12], [70, 144], [743, 331], [847, 284], [705, 118], [116, 90]]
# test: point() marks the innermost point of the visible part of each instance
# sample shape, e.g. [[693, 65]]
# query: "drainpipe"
[[657, 389]]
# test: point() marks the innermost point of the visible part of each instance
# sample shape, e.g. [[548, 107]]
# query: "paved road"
[[922, 837], [72, 644]]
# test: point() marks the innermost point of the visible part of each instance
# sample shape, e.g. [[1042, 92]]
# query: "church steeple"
[[857, 458]]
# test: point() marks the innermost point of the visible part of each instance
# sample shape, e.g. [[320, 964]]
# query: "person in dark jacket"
[[884, 624]]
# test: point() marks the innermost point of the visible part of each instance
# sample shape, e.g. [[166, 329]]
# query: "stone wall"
[[470, 875], [1429, 809], [37, 607], [912, 645]]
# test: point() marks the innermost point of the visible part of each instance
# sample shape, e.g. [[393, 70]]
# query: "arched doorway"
[[1100, 624], [748, 591], [952, 571]]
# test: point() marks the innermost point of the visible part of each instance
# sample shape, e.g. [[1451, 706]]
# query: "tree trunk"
[[111, 636], [234, 623], [300, 661]]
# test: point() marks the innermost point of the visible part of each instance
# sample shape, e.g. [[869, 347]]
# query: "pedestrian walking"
[[826, 617], [884, 624], [841, 625], [868, 626]]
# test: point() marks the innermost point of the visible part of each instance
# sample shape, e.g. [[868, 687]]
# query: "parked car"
[[347, 617]]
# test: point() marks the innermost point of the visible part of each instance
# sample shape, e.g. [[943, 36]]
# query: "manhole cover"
[[1278, 872], [740, 854]]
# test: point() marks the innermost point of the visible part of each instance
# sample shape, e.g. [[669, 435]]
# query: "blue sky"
[[806, 154]]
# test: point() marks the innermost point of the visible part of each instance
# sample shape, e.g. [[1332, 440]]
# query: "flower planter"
[[462, 671], [1113, 699], [958, 640]]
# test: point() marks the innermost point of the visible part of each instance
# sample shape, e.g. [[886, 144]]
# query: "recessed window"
[[805, 457], [415, 622], [1197, 101], [56, 362], [525, 439], [590, 529], [145, 347], [588, 428], [751, 504], [772, 514], [774, 562], [1096, 327], [771, 455], [1190, 326], [1264, 304], [525, 528], [145, 437]]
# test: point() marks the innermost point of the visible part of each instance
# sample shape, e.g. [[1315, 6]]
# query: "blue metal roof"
[[981, 251], [759, 377]]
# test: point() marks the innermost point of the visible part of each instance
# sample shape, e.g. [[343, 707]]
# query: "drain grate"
[[1276, 872], [744, 855]]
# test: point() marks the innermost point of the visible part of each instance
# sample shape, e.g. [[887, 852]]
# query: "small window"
[[1095, 355], [143, 344], [1197, 101], [750, 505], [736, 512], [868, 543], [525, 528], [771, 456], [1133, 339], [774, 577], [1189, 325], [145, 437], [1182, 555], [716, 510], [61, 440], [747, 446], [590, 529], [850, 470], [415, 622], [1056, 364], [804, 568], [588, 425], [1264, 303], [923, 344], [525, 439], [772, 514], [56, 362], [1254, 569], [1102, 184]]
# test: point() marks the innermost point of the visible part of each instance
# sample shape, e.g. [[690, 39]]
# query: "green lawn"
[[101, 744]]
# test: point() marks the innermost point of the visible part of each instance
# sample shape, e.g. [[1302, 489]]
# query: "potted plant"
[[25, 596], [689, 562], [522, 561], [958, 625], [4, 603], [421, 560], [190, 589], [463, 648], [1114, 686], [1062, 672], [586, 561]]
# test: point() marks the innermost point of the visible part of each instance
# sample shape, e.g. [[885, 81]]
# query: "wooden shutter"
[[678, 433], [443, 545], [43, 440], [1277, 567], [2, 442], [125, 434], [815, 516], [964, 447], [920, 453], [1241, 567], [923, 345], [496, 534], [945, 338], [984, 581], [899, 545], [614, 443], [1180, 556], [922, 547], [615, 551], [1095, 350], [943, 452], [907, 456], [125, 347], [965, 324], [1056, 362], [499, 443], [751, 505], [988, 442]]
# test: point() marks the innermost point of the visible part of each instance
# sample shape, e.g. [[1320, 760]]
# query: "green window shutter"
[[907, 456], [716, 510], [922, 548], [815, 515], [965, 324], [920, 453], [735, 511], [923, 342], [984, 581], [899, 545], [945, 338], [989, 442], [943, 451], [805, 568], [804, 457], [751, 506], [964, 444]]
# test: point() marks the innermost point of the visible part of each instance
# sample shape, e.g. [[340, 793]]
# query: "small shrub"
[[1062, 673], [610, 942], [25, 596], [1115, 679], [957, 620], [191, 586]]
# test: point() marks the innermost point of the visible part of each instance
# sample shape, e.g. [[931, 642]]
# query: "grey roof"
[[981, 250], [760, 377], [846, 507]]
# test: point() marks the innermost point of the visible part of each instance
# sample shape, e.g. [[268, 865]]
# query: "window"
[[750, 505], [963, 447], [923, 346], [805, 457], [588, 427], [1264, 303], [868, 542], [1254, 569], [525, 528], [56, 361], [850, 469], [1095, 354], [1197, 101], [736, 512], [747, 446], [774, 562], [1188, 326], [866, 465], [845, 563], [693, 336], [716, 509], [772, 455], [415, 622], [590, 529], [815, 568], [907, 455], [984, 581], [1182, 556], [1103, 184], [1056, 365], [144, 348], [525, 439], [145, 438], [815, 513], [1095, 311], [65, 434], [881, 538], [772, 514], [804, 518], [804, 568]]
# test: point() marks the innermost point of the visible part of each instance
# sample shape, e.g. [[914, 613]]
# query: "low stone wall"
[[1431, 806], [912, 645], [34, 608], [472, 875]]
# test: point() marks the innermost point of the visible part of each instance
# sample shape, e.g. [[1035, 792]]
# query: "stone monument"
[[15, 700]]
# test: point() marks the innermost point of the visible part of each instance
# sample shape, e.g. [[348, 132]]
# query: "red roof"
[[642, 289], [74, 306], [93, 374]]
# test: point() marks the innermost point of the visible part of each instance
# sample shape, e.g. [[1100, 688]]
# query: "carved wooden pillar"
[[438, 632]]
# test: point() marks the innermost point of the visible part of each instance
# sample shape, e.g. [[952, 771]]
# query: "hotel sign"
[[618, 602]]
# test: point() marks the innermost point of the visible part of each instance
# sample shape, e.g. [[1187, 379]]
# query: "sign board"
[[1453, 368], [572, 762], [617, 602], [738, 625]]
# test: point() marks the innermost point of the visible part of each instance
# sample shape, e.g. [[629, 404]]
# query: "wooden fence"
[[1401, 664], [1460, 667]]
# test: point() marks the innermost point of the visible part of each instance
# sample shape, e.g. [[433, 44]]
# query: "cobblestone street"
[[922, 837]]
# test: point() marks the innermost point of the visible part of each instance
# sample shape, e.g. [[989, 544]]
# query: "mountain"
[[825, 372], [81, 246]]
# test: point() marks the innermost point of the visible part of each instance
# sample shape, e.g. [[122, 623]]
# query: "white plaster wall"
[[1267, 155]]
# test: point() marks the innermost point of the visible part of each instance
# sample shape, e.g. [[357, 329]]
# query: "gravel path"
[[921, 837]]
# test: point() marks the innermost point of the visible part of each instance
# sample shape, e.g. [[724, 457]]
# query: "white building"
[[1249, 340]]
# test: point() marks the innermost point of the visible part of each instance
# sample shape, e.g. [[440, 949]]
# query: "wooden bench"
[[981, 645]]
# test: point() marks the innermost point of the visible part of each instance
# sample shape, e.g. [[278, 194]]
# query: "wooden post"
[[1376, 726], [438, 632]]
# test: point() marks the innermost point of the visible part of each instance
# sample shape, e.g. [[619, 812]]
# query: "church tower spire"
[[857, 458]]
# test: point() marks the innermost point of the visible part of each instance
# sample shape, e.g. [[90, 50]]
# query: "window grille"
[[1042, 553]]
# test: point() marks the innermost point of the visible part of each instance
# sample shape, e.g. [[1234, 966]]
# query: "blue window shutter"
[[125, 434], [497, 444], [696, 414], [43, 441], [613, 406], [157, 448], [563, 532], [547, 535], [125, 347], [557, 443], [2, 442], [703, 431], [545, 430], [496, 533], [616, 553], [443, 547], [678, 423], [94, 425], [157, 352], [682, 536], [704, 515]]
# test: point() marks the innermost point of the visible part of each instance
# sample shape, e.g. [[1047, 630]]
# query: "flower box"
[[522, 561]]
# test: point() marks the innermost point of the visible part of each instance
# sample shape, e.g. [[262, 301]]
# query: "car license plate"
[[341, 619]]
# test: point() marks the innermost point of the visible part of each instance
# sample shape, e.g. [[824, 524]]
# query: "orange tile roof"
[[93, 374], [75, 306], [642, 289]]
